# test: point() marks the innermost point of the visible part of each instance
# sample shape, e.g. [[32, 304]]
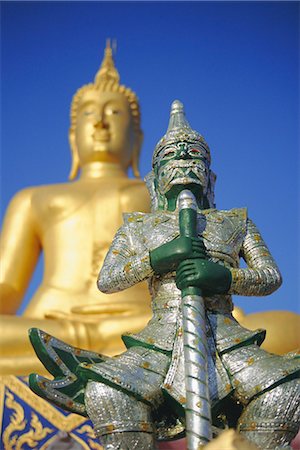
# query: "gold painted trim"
[[2, 391], [65, 423]]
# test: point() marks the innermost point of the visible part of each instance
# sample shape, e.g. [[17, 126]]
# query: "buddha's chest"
[[87, 214]]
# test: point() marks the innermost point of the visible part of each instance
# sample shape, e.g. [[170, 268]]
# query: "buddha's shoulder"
[[32, 194], [21, 203], [23, 196]]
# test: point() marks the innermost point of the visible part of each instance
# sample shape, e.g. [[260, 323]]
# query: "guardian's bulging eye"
[[194, 151], [168, 154]]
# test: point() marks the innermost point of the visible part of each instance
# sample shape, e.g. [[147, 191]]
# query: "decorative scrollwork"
[[14, 441], [17, 422], [34, 435], [94, 445], [88, 430]]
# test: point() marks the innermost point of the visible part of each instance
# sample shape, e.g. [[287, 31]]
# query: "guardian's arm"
[[123, 266], [262, 276]]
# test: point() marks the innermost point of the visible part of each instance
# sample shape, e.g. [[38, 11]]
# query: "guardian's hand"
[[167, 257], [211, 278]]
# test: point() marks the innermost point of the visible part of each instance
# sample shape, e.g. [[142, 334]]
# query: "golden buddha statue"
[[73, 224]]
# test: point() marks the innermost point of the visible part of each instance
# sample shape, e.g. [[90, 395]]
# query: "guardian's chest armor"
[[222, 231]]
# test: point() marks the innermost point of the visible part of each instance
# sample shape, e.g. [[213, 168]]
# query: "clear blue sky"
[[233, 64]]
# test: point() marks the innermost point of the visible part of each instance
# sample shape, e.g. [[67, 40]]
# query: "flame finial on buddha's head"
[[107, 72], [107, 80]]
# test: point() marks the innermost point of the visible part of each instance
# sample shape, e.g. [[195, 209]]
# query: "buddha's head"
[[105, 121], [182, 159]]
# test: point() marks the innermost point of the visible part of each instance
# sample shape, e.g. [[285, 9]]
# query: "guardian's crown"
[[180, 130]]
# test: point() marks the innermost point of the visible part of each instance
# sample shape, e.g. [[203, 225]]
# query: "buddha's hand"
[[212, 278], [167, 257]]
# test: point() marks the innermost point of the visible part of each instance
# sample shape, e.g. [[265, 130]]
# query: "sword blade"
[[197, 408]]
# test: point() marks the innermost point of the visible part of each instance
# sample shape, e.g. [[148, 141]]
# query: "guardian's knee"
[[272, 419], [120, 420]]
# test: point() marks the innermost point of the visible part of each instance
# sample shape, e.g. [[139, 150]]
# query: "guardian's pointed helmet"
[[179, 130]]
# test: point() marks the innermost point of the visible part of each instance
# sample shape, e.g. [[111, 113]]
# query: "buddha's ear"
[[75, 164], [138, 141]]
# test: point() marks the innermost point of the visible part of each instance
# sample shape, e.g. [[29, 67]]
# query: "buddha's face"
[[104, 129], [181, 163]]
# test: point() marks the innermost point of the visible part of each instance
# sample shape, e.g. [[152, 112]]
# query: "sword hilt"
[[187, 205]]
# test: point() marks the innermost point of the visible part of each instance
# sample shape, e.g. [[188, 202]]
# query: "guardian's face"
[[181, 163], [104, 128]]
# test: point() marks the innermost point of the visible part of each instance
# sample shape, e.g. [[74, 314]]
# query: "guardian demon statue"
[[193, 368]]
